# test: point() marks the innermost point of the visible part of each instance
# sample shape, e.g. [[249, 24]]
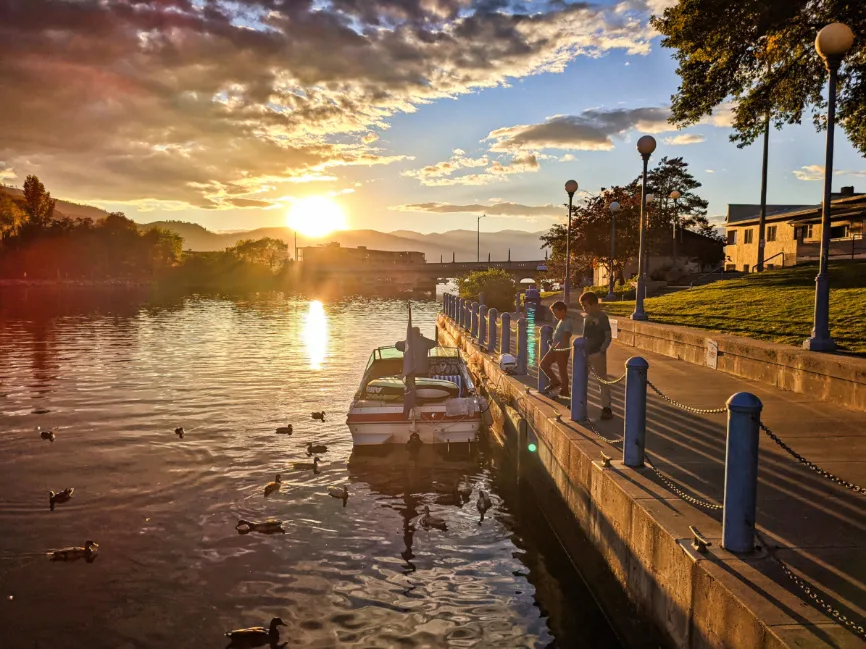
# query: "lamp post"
[[478, 239], [762, 217], [570, 188], [614, 208], [832, 43], [676, 196], [645, 146]]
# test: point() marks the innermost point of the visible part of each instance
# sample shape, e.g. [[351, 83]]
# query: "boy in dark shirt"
[[596, 333]]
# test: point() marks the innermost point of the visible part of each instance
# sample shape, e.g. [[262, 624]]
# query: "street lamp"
[[570, 188], [676, 196], [614, 208], [832, 43], [478, 239], [645, 146]]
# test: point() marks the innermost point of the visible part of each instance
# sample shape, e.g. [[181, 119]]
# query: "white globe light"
[[571, 186], [615, 207], [675, 194], [646, 145], [834, 40]]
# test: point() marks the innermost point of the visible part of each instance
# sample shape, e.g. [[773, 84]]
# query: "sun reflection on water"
[[315, 334]]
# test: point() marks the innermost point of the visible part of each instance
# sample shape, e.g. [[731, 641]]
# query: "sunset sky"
[[412, 114]]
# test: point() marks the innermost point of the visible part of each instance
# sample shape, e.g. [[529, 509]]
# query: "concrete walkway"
[[818, 527]]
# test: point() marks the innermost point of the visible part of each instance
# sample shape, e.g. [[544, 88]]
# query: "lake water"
[[114, 374]]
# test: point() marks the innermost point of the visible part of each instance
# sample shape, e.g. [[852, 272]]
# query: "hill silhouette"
[[64, 208]]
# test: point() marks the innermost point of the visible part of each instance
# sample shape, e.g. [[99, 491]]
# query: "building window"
[[732, 237], [745, 268], [771, 233], [839, 232], [730, 267], [803, 232], [747, 236]]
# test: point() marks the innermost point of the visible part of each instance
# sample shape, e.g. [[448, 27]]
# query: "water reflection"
[[315, 334]]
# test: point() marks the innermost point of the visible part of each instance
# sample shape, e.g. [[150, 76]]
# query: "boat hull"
[[369, 429]]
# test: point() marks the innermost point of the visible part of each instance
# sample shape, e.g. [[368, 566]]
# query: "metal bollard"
[[463, 303], [741, 472], [546, 334], [505, 344], [467, 315], [482, 325], [634, 431], [456, 308], [579, 379], [522, 342], [492, 316], [450, 306], [473, 322]]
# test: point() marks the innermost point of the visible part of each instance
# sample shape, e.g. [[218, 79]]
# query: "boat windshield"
[[386, 353]]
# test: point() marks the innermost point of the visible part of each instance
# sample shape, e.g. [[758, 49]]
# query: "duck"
[[88, 552], [270, 526], [179, 431], [307, 466], [312, 449], [258, 635], [271, 487], [46, 434], [339, 491], [465, 489], [414, 444], [484, 503], [60, 496], [318, 415], [285, 430], [429, 521]]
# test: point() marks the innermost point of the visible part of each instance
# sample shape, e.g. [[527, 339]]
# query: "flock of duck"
[[258, 636]]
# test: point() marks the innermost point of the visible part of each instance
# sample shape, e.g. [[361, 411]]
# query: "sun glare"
[[316, 216], [315, 334]]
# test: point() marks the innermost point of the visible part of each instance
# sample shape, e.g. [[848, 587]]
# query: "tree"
[[266, 251], [37, 202], [12, 217], [497, 286], [761, 54]]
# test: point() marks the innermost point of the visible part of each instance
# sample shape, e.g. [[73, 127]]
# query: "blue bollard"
[[462, 320], [505, 340], [741, 472], [450, 304], [473, 322], [482, 325], [546, 335], [522, 342], [579, 379], [634, 432], [492, 324], [445, 303], [467, 315]]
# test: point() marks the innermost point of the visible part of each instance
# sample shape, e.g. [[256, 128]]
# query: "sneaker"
[[606, 413], [549, 390]]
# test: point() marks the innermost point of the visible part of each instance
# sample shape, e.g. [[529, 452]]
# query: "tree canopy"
[[761, 55], [496, 284]]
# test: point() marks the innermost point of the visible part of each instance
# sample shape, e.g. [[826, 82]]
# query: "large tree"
[[761, 55], [37, 202], [12, 217]]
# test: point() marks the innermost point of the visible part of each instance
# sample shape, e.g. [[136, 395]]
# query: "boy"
[[560, 349], [596, 333]]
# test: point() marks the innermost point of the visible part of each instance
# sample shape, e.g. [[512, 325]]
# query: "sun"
[[316, 216]]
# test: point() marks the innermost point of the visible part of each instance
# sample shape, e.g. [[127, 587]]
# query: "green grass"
[[776, 305]]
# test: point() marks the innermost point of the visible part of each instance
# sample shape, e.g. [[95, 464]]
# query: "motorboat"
[[447, 408]]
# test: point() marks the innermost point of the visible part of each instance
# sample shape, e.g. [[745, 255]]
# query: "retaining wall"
[[696, 600], [837, 379]]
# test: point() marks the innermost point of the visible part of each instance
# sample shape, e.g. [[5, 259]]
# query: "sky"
[[410, 114]]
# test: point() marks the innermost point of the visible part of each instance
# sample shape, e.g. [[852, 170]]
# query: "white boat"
[[447, 409]]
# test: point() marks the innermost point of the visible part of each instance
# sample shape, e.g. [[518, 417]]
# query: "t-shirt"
[[596, 330], [562, 333]]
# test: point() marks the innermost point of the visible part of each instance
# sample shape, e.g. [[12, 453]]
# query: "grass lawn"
[[776, 305]]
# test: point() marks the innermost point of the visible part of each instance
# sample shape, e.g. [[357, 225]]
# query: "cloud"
[[685, 138], [6, 172], [592, 130], [518, 164], [369, 138], [722, 116], [196, 102], [442, 174], [499, 208], [816, 172], [710, 171], [568, 157]]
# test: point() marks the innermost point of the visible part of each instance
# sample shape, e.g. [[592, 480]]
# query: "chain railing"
[[588, 424], [814, 467], [670, 484], [605, 381], [682, 406]]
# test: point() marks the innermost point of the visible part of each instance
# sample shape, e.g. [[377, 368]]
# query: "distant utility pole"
[[478, 240]]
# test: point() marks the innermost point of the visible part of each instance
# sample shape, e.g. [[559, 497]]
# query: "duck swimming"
[[318, 415], [270, 526], [312, 449], [271, 487], [256, 636], [429, 521], [60, 496], [88, 552], [339, 491], [179, 431], [483, 504], [307, 466], [285, 430], [46, 434], [465, 489]]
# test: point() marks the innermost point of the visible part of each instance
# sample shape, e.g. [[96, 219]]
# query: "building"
[[333, 254], [793, 232]]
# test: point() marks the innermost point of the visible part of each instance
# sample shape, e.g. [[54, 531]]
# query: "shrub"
[[497, 286]]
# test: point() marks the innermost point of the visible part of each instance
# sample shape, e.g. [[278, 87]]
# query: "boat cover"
[[390, 388]]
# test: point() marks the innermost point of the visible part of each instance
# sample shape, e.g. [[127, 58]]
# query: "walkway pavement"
[[819, 527]]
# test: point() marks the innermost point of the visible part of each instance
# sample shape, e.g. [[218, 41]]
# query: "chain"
[[697, 411], [679, 492], [821, 472], [605, 381], [857, 628], [589, 424]]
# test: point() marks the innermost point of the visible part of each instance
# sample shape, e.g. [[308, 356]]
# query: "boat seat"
[[454, 378]]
